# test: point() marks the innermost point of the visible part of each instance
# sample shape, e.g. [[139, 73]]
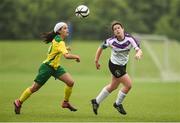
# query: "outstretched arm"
[[98, 54]]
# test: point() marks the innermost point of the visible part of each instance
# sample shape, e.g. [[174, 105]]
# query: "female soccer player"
[[120, 43], [52, 67]]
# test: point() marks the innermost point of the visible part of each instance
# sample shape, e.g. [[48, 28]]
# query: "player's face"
[[64, 31], [118, 31]]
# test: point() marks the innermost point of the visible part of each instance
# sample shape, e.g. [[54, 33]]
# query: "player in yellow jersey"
[[52, 67]]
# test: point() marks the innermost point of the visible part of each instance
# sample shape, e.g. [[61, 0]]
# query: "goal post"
[[156, 62]]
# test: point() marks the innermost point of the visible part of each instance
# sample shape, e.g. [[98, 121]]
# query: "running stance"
[[120, 43], [52, 67]]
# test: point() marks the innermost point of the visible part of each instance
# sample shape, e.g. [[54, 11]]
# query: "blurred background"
[[25, 19]]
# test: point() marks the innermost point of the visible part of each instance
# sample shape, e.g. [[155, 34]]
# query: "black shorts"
[[117, 70]]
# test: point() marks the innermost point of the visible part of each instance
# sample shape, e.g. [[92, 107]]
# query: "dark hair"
[[48, 36], [116, 23]]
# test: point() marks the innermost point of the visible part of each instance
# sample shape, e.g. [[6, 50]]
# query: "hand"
[[97, 65], [78, 59], [138, 55]]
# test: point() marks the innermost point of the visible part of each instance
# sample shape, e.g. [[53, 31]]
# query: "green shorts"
[[46, 71]]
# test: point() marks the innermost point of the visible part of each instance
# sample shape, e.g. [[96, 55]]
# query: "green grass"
[[147, 101]]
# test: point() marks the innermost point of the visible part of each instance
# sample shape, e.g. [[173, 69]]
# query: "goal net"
[[160, 60]]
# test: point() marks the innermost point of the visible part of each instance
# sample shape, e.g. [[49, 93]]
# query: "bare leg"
[[35, 87], [67, 79], [126, 81]]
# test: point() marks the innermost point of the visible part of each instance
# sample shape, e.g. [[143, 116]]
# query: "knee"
[[34, 89], [70, 83], [128, 87], [111, 88], [114, 88]]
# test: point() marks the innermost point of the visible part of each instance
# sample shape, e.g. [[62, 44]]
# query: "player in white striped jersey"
[[120, 43]]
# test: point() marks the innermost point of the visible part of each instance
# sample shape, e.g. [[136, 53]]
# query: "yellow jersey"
[[56, 50]]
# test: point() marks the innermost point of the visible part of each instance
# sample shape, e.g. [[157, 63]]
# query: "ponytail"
[[48, 36]]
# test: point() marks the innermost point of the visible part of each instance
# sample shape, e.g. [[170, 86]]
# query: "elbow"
[[66, 55]]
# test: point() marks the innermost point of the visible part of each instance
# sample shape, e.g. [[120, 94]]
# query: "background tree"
[[26, 19]]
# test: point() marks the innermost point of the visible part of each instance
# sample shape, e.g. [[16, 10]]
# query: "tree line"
[[26, 19]]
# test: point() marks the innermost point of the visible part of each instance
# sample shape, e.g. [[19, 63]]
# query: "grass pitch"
[[147, 101]]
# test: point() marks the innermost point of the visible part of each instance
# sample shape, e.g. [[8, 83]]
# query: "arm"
[[136, 46], [98, 54], [138, 54], [72, 56], [63, 50]]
